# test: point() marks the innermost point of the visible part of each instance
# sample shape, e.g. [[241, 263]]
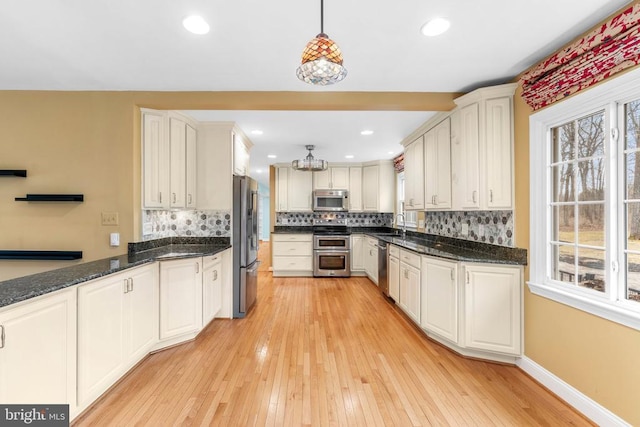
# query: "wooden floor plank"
[[322, 352]]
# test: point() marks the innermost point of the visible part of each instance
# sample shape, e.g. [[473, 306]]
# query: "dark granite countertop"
[[23, 288], [285, 229]]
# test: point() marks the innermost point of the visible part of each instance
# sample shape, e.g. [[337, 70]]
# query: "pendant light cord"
[[322, 16]]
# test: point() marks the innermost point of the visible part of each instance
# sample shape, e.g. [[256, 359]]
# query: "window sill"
[[606, 310]]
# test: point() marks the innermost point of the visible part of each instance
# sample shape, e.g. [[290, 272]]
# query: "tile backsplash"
[[494, 227], [301, 219], [160, 224]]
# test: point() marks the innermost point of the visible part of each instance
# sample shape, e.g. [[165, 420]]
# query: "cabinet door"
[[300, 188], [492, 299], [357, 252], [142, 312], [437, 158], [180, 297], [322, 180], [282, 189], [191, 167], [410, 291], [211, 292], [38, 351], [240, 156], [155, 154], [469, 158], [370, 188], [340, 178], [430, 168], [101, 339], [498, 153], [177, 145], [439, 309], [355, 189], [414, 175], [393, 271]]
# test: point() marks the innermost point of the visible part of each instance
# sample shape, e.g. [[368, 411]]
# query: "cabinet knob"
[[215, 275], [174, 197], [473, 196], [190, 199], [491, 196], [1, 336]]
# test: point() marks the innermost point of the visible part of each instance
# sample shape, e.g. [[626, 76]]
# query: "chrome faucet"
[[404, 224]]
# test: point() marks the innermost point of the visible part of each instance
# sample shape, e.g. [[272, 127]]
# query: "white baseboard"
[[587, 406]]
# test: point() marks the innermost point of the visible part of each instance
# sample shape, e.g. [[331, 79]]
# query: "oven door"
[[331, 263]]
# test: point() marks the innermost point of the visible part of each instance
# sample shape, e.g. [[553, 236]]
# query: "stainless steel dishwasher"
[[383, 280]]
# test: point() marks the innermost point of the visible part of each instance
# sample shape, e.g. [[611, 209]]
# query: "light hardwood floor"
[[323, 352]]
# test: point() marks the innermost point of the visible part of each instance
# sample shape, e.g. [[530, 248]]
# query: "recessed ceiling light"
[[256, 132], [366, 132], [271, 156], [435, 27], [258, 170], [349, 156], [391, 152], [196, 24]]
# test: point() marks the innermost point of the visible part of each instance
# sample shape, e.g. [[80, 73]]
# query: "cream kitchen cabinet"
[[486, 127], [410, 284], [212, 279], [38, 350], [240, 155], [439, 307], [414, 175], [293, 190], [437, 166], [393, 273], [155, 158], [292, 254], [182, 148], [333, 178], [357, 253], [117, 326], [493, 308], [378, 181], [371, 258], [180, 299], [355, 188]]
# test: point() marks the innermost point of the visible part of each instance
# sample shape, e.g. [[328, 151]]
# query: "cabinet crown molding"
[[486, 93]]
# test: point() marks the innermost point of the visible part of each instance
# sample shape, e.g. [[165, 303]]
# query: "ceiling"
[[256, 46]]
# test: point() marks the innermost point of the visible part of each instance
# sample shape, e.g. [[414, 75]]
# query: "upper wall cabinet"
[[378, 186], [483, 149], [293, 190], [169, 160], [240, 154], [437, 166], [355, 188], [414, 178], [334, 178]]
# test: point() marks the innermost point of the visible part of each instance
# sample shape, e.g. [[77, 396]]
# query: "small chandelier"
[[321, 59], [309, 163]]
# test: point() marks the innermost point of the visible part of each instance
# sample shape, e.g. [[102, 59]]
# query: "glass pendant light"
[[321, 59], [309, 163]]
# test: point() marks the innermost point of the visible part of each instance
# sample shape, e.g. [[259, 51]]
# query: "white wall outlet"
[[465, 228], [114, 239], [147, 228], [480, 230]]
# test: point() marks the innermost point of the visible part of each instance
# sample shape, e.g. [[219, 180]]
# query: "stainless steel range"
[[331, 246]]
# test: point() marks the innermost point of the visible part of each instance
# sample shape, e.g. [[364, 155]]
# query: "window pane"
[[632, 128], [633, 226], [564, 268], [633, 277], [591, 224], [564, 218], [591, 135], [591, 269], [590, 180], [563, 182], [563, 143], [632, 175]]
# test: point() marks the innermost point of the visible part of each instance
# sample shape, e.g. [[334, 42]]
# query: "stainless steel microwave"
[[331, 200]]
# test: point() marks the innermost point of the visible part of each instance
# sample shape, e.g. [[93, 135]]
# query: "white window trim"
[[620, 89]]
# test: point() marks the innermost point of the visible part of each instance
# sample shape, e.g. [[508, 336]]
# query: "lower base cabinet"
[[180, 298], [492, 308], [410, 291], [439, 305], [117, 326], [393, 276], [292, 254], [371, 258], [38, 351], [211, 287], [357, 253]]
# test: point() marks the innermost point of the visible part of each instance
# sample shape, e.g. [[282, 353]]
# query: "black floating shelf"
[[13, 172], [41, 255], [51, 198]]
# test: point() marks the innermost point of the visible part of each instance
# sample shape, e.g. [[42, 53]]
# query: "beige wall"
[[597, 357]]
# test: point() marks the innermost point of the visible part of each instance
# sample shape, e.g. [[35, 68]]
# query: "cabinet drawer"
[[394, 251], [372, 241], [211, 260], [292, 248], [292, 263], [410, 258], [292, 237]]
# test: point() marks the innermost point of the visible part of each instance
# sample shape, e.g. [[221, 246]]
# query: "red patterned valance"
[[605, 51], [398, 163]]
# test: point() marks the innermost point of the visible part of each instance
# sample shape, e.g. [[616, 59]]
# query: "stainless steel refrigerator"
[[245, 244]]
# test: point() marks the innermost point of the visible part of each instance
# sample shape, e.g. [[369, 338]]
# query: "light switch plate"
[[110, 218]]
